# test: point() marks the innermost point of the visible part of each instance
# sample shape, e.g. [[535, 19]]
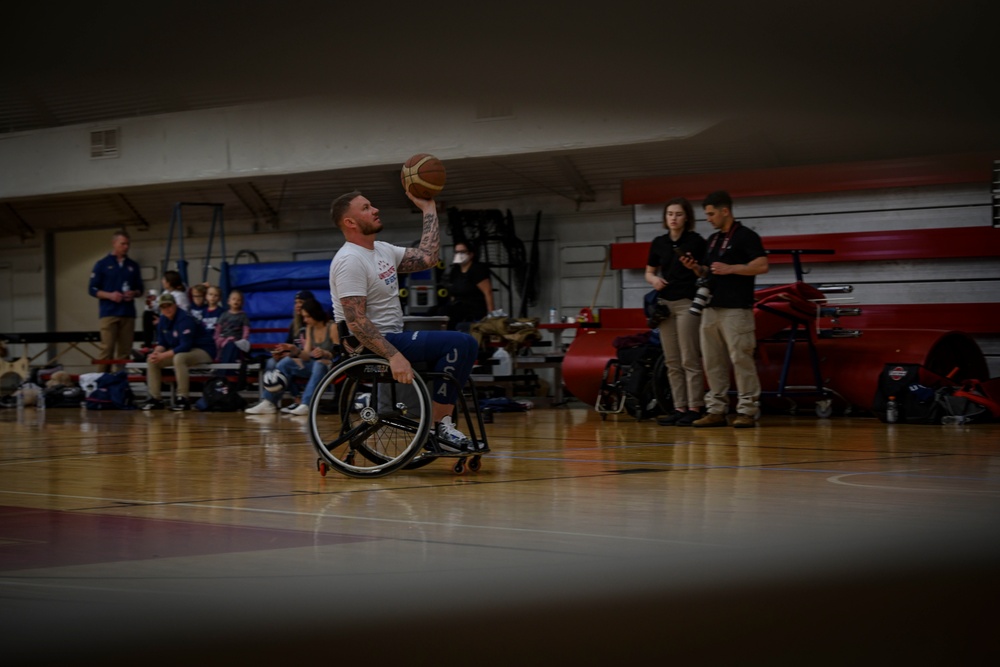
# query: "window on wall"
[[104, 143]]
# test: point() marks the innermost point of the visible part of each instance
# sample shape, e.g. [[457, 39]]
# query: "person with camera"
[[734, 257], [672, 316]]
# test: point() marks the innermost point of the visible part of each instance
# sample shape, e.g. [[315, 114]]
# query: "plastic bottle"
[[553, 316], [40, 400], [504, 364], [20, 398], [953, 419], [891, 411]]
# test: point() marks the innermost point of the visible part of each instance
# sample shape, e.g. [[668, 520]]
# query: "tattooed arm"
[[356, 315], [426, 255]]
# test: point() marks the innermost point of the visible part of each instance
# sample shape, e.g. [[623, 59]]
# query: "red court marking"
[[35, 538]]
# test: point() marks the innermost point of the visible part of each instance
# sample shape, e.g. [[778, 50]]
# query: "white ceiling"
[[801, 87]]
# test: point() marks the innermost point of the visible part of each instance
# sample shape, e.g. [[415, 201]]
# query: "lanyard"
[[726, 239]]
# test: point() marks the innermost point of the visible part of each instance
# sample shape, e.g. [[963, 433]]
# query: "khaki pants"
[[182, 364], [728, 338], [679, 338], [117, 334]]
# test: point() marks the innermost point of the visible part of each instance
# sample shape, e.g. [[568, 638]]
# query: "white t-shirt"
[[357, 271]]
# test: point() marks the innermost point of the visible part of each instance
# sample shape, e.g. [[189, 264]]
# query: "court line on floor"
[[763, 467], [839, 479]]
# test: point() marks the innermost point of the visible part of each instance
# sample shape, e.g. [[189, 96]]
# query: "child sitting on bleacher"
[[198, 303], [232, 332], [213, 307]]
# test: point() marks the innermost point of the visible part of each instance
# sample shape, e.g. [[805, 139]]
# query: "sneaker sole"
[[434, 445]]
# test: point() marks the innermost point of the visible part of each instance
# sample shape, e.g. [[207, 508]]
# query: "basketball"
[[274, 381], [423, 176]]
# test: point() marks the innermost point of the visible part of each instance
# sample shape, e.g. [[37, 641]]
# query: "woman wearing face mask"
[[470, 289]]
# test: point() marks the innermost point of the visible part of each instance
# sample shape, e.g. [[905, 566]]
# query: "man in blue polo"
[[116, 281], [181, 342]]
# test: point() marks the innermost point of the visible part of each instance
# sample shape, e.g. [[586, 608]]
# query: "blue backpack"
[[112, 393]]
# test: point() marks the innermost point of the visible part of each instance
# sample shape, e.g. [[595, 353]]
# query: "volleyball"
[[274, 381]]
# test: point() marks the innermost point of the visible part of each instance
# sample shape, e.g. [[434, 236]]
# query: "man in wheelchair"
[[364, 286]]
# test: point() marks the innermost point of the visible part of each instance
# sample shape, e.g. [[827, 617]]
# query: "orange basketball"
[[423, 176]]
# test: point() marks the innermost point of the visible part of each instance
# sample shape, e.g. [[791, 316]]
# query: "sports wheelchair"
[[363, 423]]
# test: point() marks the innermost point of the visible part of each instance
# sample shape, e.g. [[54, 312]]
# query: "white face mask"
[[461, 258]]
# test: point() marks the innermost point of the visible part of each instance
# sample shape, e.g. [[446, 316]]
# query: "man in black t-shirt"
[[735, 255]]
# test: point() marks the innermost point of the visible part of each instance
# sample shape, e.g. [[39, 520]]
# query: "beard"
[[370, 228]]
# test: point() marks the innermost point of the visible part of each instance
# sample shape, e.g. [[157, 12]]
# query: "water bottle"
[[954, 419], [40, 400], [20, 398], [891, 411], [126, 288], [553, 316]]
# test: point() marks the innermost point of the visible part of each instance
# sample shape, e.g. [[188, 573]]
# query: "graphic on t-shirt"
[[387, 272]]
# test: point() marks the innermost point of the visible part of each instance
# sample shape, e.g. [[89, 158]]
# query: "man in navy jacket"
[[116, 281], [181, 342]]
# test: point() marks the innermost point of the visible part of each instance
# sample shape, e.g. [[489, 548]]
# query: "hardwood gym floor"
[[166, 538]]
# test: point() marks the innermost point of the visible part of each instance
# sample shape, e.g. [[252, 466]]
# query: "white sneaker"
[[300, 410], [450, 438], [262, 408]]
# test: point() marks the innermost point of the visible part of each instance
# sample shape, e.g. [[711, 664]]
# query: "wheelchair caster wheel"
[[459, 467], [475, 463]]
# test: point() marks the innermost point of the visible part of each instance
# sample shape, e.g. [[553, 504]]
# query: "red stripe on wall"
[[856, 246], [906, 172]]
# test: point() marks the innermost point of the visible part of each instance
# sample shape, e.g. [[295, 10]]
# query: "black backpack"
[[915, 403], [64, 396], [637, 379], [221, 395]]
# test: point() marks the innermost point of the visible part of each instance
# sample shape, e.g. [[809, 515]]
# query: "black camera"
[[702, 296], [659, 311]]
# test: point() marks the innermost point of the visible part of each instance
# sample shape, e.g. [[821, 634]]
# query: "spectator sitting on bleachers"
[[213, 308], [232, 332], [198, 302], [312, 361], [181, 342]]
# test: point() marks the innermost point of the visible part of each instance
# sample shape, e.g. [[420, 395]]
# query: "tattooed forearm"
[[363, 329], [426, 255]]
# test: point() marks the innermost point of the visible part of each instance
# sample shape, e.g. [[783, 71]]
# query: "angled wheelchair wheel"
[[365, 424]]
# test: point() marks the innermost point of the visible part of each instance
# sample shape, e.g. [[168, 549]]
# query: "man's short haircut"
[[718, 199], [340, 205], [120, 232]]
